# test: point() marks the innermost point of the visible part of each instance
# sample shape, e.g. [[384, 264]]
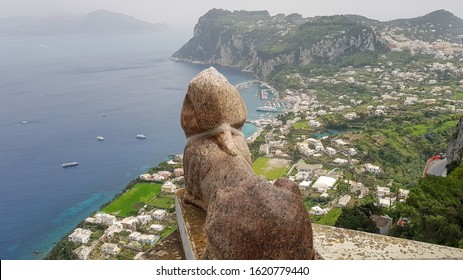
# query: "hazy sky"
[[186, 12]]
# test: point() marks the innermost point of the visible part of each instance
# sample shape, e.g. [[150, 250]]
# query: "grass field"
[[270, 168], [301, 125], [163, 201], [459, 96], [329, 219], [131, 201]]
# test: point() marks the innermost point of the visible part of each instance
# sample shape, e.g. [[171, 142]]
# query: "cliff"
[[455, 148], [260, 43]]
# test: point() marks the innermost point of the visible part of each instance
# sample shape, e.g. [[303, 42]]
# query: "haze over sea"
[[61, 86]]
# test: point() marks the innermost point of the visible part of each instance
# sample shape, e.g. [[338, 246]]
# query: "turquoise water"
[[328, 132]]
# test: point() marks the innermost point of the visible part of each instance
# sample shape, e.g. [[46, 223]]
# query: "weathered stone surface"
[[455, 147], [247, 217]]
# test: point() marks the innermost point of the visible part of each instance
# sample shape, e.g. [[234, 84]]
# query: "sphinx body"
[[246, 216]]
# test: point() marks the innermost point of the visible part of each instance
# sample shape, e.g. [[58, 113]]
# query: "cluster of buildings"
[[110, 244]]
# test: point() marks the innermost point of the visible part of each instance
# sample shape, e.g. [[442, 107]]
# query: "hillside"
[[101, 21], [440, 24], [260, 43]]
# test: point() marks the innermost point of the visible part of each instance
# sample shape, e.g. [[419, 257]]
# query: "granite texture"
[[246, 216]]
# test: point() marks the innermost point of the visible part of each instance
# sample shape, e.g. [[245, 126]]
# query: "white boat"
[[267, 109], [140, 136], [99, 138], [25, 122], [103, 115], [69, 164]]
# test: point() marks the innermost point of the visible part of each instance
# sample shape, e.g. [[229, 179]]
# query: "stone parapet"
[[331, 243]]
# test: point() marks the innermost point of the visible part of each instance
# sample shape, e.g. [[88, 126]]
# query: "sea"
[[57, 94]]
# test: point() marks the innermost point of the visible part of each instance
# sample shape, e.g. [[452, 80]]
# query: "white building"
[[403, 194], [358, 188], [379, 113], [323, 184], [135, 236], [148, 239], [383, 192], [342, 202], [372, 168], [111, 230], [156, 227], [313, 123], [105, 219], [111, 249], [352, 152], [385, 202], [169, 187], [143, 219], [305, 184], [159, 214], [130, 223], [80, 235], [83, 252], [340, 161], [143, 238], [330, 151], [317, 211]]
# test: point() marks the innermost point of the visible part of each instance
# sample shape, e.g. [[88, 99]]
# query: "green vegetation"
[[163, 201], [329, 219], [301, 125], [63, 251], [459, 95], [270, 168], [434, 210], [131, 201], [357, 218]]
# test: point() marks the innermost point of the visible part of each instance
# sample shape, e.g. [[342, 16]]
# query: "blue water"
[[328, 132], [62, 86]]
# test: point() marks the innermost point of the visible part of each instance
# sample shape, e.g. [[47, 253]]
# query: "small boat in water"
[[25, 122], [99, 138], [140, 136], [267, 109], [69, 164]]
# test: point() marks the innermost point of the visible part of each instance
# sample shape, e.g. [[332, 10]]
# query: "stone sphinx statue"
[[246, 216]]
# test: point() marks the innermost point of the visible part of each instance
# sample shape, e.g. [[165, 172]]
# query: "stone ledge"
[[334, 243], [331, 243]]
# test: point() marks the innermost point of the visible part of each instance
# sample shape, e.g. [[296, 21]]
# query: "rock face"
[[455, 147], [247, 217], [260, 43]]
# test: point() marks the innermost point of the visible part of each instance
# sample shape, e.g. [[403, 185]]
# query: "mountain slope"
[[440, 24], [260, 43], [100, 21]]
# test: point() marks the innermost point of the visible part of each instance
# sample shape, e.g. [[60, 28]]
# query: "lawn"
[[132, 200], [270, 168], [459, 96], [163, 201], [301, 125], [328, 219]]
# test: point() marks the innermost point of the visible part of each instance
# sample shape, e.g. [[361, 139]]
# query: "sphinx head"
[[211, 101]]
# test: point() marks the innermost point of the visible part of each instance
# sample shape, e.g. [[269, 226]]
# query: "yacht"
[[69, 164], [267, 109], [140, 136], [99, 138]]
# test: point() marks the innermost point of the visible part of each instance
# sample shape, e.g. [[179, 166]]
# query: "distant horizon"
[[180, 13], [151, 22]]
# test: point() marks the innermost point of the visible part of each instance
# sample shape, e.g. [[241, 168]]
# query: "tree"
[[356, 219]]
